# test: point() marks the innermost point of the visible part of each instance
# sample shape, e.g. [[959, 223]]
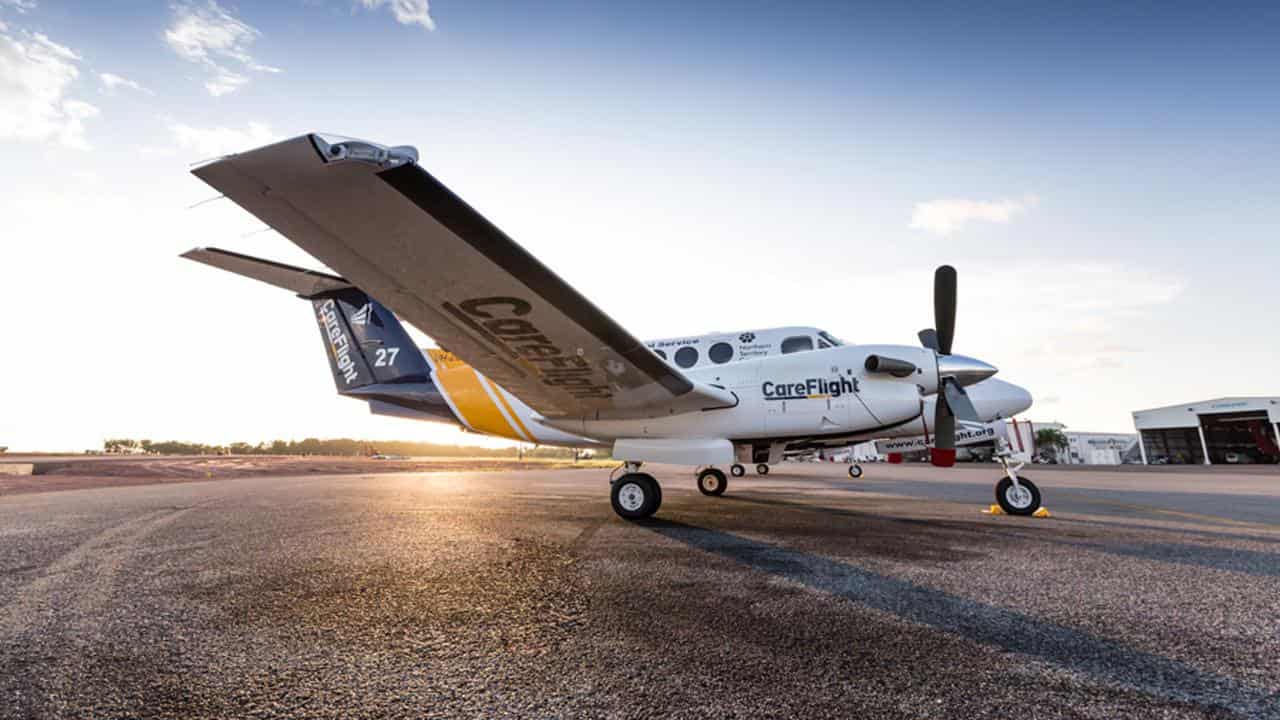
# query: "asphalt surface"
[[521, 595]]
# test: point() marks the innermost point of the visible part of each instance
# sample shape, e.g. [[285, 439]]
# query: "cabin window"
[[687, 357], [659, 353], [720, 353], [797, 343]]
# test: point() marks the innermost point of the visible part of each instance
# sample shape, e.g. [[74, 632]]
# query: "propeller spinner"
[[954, 371]]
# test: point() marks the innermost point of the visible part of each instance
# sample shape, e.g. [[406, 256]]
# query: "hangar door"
[[1240, 438]]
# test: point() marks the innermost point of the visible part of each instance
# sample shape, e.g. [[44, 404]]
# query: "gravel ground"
[[520, 595]]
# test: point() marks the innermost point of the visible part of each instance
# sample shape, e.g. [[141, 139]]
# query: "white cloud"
[[218, 141], [111, 81], [212, 37], [945, 216], [19, 5], [35, 75], [406, 12], [224, 82]]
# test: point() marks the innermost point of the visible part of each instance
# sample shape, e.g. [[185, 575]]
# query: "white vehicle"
[[531, 359]]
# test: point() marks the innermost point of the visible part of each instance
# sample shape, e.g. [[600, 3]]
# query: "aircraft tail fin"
[[367, 346]]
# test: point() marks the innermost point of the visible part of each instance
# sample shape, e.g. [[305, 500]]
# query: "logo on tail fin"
[[361, 316], [339, 345]]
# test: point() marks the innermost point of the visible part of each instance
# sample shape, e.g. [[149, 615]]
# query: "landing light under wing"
[[394, 231]]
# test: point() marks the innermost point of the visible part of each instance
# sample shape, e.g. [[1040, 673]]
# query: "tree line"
[[316, 446]]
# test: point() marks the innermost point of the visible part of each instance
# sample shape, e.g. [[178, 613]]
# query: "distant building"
[[1230, 430], [1083, 448], [1095, 448]]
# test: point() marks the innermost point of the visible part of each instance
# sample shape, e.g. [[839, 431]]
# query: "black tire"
[[762, 469], [855, 471], [712, 482], [635, 496], [737, 470], [1025, 504]]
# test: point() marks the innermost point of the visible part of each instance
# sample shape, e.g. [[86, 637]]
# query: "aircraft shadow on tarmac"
[[1105, 660], [1251, 562]]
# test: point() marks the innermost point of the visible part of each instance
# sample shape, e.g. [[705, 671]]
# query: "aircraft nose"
[[1017, 399], [964, 369]]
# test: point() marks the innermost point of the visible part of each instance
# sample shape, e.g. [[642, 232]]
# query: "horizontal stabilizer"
[[307, 283]]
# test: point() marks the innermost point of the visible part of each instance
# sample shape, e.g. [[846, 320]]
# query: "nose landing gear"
[[855, 471], [1015, 494]]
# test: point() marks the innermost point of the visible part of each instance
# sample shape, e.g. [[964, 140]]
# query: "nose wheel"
[[1020, 499], [1015, 494], [855, 471]]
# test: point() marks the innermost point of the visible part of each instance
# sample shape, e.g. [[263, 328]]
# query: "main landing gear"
[[635, 495], [1015, 493], [737, 470], [762, 469], [712, 482]]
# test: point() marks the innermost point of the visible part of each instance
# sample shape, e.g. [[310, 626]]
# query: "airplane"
[[523, 355]]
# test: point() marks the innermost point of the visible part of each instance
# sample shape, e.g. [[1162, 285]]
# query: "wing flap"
[[400, 235]]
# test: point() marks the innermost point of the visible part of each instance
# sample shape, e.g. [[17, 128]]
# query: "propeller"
[[954, 371]]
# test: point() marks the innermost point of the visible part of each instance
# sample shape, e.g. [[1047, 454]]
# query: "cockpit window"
[[797, 343], [835, 341]]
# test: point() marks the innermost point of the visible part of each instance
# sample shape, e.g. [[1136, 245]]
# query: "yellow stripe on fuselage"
[[477, 410], [511, 413]]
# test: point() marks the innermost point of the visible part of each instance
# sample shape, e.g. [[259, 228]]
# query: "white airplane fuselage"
[[820, 397]]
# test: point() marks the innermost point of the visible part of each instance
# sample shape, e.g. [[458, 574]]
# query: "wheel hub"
[[1018, 496], [631, 497]]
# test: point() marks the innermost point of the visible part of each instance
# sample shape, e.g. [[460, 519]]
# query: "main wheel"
[[712, 482], [855, 471], [762, 469], [635, 496], [737, 470], [1021, 500]]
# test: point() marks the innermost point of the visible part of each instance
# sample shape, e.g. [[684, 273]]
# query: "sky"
[[1103, 176]]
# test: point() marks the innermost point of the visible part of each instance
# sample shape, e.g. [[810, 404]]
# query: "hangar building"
[[1230, 430]]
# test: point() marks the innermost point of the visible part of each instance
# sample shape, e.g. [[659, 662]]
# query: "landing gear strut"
[[634, 495], [1015, 494]]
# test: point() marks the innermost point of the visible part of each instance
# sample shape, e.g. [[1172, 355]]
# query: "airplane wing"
[[374, 215]]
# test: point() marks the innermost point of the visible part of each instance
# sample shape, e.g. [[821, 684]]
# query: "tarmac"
[[519, 594]]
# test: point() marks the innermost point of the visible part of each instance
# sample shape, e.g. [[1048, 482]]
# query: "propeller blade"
[[944, 307], [929, 338], [943, 452], [958, 401]]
